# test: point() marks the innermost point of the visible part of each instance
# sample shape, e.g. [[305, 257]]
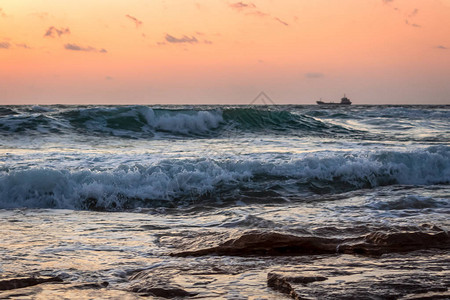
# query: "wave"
[[135, 121], [5, 111], [411, 202], [191, 182], [282, 121], [145, 122], [385, 112]]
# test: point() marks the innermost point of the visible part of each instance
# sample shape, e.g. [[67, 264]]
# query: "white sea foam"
[[176, 179], [136, 120], [197, 122]]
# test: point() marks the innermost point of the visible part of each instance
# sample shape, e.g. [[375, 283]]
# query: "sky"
[[224, 52]]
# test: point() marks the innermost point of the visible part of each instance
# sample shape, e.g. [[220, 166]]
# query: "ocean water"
[[98, 193]]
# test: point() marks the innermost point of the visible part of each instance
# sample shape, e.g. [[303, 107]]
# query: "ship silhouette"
[[344, 101]]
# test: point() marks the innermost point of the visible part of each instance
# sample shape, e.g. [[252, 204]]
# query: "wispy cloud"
[[75, 47], [413, 13], [135, 20], [314, 75], [55, 32], [184, 39], [2, 13], [281, 21], [23, 46], [250, 9], [411, 16], [441, 47], [5, 45], [109, 78], [8, 45], [241, 5], [412, 24], [407, 15], [257, 13]]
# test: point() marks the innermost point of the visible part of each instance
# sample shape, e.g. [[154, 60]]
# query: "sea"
[[104, 198]]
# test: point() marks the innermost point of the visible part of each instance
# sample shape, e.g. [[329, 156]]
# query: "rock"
[[147, 283], [165, 291], [268, 243], [304, 279], [408, 239], [17, 283], [280, 284], [98, 285], [278, 244], [377, 243]]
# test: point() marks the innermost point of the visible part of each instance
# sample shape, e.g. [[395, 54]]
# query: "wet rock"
[[429, 296], [304, 279], [378, 243], [409, 239], [280, 284], [146, 283], [17, 283], [98, 285], [278, 244], [268, 243], [166, 291]]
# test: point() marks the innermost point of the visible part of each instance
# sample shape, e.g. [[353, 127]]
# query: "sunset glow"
[[224, 52]]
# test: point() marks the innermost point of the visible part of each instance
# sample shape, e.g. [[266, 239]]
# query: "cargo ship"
[[344, 101]]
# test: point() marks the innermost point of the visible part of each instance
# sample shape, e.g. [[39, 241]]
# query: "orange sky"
[[224, 52]]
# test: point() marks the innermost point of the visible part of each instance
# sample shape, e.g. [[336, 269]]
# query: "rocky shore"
[[276, 244], [379, 265]]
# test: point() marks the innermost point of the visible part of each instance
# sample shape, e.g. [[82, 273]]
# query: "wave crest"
[[144, 122], [184, 182]]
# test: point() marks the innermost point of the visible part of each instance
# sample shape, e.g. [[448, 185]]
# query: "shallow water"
[[97, 194]]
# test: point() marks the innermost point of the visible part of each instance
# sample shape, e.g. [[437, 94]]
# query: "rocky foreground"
[[378, 265], [276, 244]]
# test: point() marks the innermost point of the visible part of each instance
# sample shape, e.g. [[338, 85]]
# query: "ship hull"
[[331, 103]]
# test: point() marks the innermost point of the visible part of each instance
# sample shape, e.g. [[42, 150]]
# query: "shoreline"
[[210, 263]]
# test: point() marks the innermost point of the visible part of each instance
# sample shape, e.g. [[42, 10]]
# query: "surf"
[[174, 182]]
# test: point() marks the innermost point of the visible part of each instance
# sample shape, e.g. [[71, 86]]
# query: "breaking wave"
[[186, 182], [146, 122]]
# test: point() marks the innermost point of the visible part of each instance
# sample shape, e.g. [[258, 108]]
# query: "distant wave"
[[146, 122], [387, 112], [281, 121], [187, 182], [134, 121]]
